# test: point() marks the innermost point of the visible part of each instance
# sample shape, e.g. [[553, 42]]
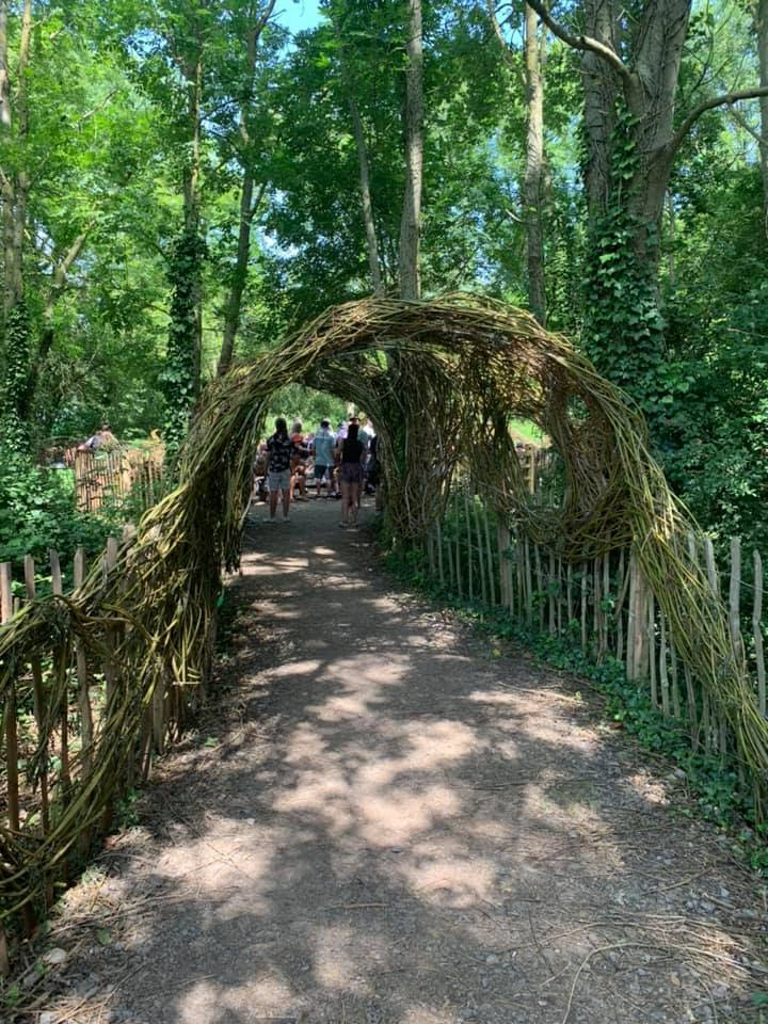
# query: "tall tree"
[[187, 36], [256, 16], [366, 199], [14, 183], [630, 73], [762, 54], [534, 164], [413, 123], [533, 179]]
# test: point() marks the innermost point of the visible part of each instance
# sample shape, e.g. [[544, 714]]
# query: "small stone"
[[250, 821], [55, 956], [707, 907], [396, 849], [491, 959], [485, 982], [48, 1017]]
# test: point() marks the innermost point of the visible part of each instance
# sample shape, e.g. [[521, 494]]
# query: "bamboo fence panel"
[[611, 607]]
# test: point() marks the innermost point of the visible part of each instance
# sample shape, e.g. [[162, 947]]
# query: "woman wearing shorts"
[[351, 476], [281, 449]]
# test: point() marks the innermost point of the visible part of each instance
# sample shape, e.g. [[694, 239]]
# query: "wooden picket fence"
[[109, 477], [604, 605], [63, 722]]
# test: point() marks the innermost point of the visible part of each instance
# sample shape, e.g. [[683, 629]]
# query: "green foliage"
[[624, 329], [16, 345], [37, 512], [297, 402], [180, 379]]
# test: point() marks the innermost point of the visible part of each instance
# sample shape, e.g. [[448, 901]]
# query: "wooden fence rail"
[[108, 475], [70, 746], [604, 605]]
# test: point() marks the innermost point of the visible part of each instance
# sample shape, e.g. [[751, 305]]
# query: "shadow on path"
[[395, 824]]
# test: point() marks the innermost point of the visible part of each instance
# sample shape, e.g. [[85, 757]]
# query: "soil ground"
[[386, 820]]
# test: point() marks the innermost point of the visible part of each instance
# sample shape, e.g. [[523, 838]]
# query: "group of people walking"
[[344, 462]]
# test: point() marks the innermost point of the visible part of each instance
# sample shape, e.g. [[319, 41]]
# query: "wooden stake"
[[734, 597], [651, 620], [489, 557], [623, 587], [470, 568], [551, 594], [458, 546], [440, 565], [584, 571], [39, 700], [676, 702], [480, 555], [664, 677], [569, 592], [84, 698], [757, 629], [597, 612]]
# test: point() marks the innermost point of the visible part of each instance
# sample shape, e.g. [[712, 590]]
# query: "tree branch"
[[728, 98], [497, 30], [580, 42], [506, 49], [741, 121], [63, 267]]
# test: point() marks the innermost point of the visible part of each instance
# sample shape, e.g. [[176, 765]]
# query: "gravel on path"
[[384, 819]]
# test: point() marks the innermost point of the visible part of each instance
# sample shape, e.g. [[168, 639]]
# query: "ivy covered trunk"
[[534, 165], [410, 224], [624, 325], [629, 147], [181, 374]]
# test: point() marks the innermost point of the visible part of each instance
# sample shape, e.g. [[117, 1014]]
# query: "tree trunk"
[[192, 211], [762, 50], [410, 225], [601, 85], [248, 207], [534, 166], [240, 275], [648, 88], [15, 184], [47, 337], [365, 197], [181, 373]]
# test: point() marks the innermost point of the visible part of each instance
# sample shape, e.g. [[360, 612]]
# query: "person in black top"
[[351, 476], [281, 450]]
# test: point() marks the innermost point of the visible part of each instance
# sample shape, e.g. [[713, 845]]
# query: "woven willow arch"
[[441, 380]]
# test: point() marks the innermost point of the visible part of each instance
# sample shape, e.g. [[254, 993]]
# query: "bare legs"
[[350, 503], [286, 494], [346, 497]]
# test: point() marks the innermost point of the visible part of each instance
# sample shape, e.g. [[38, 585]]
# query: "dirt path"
[[396, 824]]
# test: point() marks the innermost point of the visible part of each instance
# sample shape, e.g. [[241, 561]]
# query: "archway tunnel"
[[441, 381]]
